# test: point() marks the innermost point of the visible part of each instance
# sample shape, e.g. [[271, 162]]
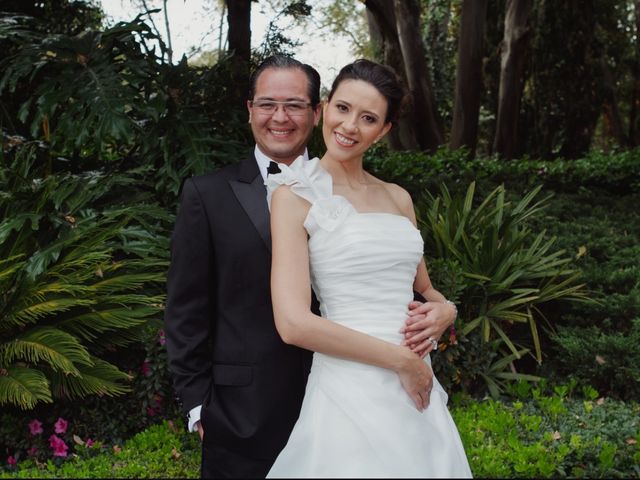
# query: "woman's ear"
[[384, 131]]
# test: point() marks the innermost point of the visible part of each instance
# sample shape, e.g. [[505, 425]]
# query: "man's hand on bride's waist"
[[425, 324]]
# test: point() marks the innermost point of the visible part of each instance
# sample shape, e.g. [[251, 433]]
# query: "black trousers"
[[218, 462]]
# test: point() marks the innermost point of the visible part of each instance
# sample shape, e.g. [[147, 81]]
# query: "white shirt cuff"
[[194, 417]]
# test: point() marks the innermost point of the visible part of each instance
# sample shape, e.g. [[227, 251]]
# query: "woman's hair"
[[382, 77]]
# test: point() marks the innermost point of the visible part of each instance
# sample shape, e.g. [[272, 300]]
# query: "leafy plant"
[[165, 450], [502, 271], [76, 280], [550, 436], [106, 100]]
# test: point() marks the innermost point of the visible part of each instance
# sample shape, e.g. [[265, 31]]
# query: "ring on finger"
[[434, 343]]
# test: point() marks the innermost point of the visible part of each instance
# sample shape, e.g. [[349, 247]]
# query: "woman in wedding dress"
[[372, 407]]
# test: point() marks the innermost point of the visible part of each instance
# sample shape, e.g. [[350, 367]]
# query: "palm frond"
[[56, 348], [24, 387]]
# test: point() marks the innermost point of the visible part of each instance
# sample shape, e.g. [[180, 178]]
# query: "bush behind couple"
[[240, 371]]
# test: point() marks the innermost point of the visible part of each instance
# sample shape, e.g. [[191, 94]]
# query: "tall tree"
[[395, 31], [428, 124], [512, 68], [466, 110], [239, 33], [239, 43], [384, 38], [635, 71]]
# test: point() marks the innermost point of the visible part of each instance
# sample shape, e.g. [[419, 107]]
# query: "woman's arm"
[[297, 325], [430, 319]]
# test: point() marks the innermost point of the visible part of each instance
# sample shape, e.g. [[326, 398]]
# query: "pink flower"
[[161, 339], [453, 336], [35, 427], [61, 425], [89, 443], [59, 447], [11, 461], [146, 368], [32, 452], [151, 411]]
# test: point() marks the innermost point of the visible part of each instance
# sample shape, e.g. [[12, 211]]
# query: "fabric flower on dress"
[[306, 178], [328, 213], [310, 181], [35, 427]]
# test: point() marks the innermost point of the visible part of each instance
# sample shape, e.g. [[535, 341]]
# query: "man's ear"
[[249, 110], [317, 113]]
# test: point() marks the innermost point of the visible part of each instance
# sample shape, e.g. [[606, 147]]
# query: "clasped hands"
[[423, 328]]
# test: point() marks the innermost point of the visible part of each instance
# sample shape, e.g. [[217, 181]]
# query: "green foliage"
[[80, 276], [600, 229], [550, 436], [498, 271], [543, 433], [106, 100], [614, 173], [607, 359], [161, 451]]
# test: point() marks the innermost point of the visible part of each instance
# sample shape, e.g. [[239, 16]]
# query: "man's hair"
[[283, 62]]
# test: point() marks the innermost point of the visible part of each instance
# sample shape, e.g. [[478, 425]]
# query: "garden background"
[[519, 147]]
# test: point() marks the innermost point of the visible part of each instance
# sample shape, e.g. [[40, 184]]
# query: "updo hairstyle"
[[382, 77]]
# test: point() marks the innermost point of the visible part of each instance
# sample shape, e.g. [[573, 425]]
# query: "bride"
[[372, 407]]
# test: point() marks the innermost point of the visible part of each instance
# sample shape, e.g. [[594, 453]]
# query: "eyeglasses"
[[269, 107]]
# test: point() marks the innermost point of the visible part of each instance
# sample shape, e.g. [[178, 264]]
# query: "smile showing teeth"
[[279, 133], [344, 140]]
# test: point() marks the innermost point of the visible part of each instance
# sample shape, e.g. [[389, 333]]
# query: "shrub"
[[78, 279], [499, 272], [550, 436], [161, 451], [608, 360]]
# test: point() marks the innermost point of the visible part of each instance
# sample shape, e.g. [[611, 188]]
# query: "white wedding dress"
[[356, 419]]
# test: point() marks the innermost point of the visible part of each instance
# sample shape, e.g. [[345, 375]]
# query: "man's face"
[[282, 134]]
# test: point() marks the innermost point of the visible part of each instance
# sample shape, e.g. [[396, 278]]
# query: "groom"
[[241, 386]]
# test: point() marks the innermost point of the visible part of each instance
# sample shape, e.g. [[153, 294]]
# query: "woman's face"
[[354, 119]]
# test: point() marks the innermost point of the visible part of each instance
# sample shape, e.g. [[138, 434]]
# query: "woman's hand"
[[416, 378], [426, 321]]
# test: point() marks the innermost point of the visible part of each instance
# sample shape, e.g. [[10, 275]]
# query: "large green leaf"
[[24, 387]]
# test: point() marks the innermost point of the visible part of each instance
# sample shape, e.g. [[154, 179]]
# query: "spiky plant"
[[80, 274], [499, 270]]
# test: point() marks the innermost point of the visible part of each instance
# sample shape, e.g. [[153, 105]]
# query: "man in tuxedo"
[[239, 383]]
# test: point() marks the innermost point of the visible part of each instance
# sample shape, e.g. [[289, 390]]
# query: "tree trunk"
[[466, 110], [427, 121], [239, 36], [514, 48], [382, 29], [610, 109], [635, 91]]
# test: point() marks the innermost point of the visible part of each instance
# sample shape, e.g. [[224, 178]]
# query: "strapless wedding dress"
[[357, 420]]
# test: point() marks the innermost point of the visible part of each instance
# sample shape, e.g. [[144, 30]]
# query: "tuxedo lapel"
[[250, 191]]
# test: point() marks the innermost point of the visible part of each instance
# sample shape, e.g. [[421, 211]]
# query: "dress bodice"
[[362, 264]]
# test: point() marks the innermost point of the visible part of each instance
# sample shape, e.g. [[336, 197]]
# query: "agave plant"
[[79, 275], [505, 271]]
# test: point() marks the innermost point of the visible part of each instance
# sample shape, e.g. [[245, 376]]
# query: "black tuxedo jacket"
[[224, 350]]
